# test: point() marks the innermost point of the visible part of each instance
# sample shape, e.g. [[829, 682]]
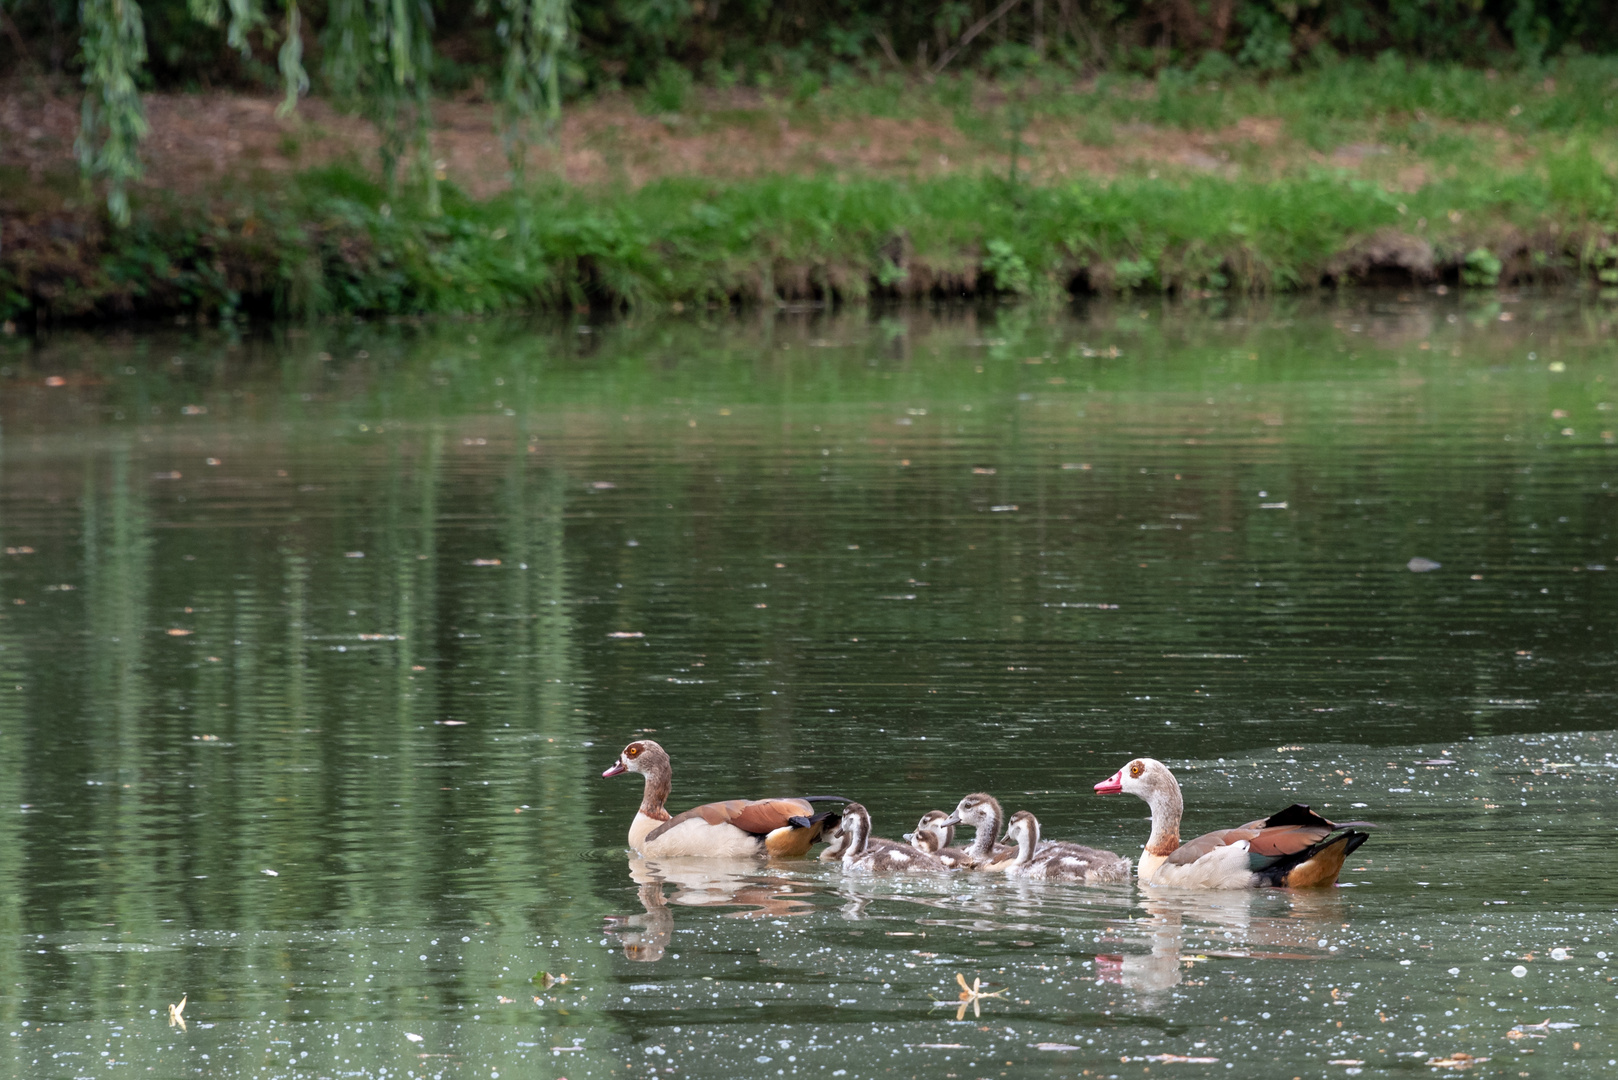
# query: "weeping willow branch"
[[290, 61], [379, 55], [112, 120], [533, 32], [245, 17]]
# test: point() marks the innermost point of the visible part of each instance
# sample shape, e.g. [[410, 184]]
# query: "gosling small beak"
[[953, 819], [909, 836], [619, 766], [1113, 785]]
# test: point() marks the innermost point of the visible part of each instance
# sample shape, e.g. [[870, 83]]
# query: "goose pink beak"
[[1113, 785], [618, 766]]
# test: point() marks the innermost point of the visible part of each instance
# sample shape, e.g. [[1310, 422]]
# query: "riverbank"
[[963, 187]]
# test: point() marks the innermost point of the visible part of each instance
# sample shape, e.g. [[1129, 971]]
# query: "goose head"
[[981, 811], [1023, 830], [855, 828], [641, 756], [931, 833], [1146, 778]]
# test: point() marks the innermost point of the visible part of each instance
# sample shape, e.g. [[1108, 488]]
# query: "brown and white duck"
[[1057, 860], [863, 855], [1295, 848], [936, 838], [982, 812], [782, 828]]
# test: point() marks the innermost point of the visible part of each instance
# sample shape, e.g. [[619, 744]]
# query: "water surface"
[[313, 647]]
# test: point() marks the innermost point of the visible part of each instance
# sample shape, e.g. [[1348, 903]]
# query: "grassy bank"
[[1347, 175]]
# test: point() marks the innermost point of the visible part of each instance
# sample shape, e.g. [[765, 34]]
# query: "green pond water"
[[313, 648]]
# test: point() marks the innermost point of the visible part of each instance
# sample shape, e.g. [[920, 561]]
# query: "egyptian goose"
[[982, 812], [1296, 848], [936, 838], [1056, 860], [781, 828], [864, 855]]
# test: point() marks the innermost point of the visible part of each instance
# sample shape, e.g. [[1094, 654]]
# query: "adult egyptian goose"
[[936, 838], [1056, 860], [781, 828], [1295, 848], [863, 855], [982, 812]]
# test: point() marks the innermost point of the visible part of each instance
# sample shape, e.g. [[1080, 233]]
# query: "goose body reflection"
[[698, 883], [1185, 929]]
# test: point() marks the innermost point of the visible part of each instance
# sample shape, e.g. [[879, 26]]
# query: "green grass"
[[330, 241], [1578, 94]]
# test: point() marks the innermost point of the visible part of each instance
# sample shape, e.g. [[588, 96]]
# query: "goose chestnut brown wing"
[[1192, 850], [757, 816], [1287, 834]]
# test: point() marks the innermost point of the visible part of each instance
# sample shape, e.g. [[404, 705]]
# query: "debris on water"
[[1519, 971], [626, 634], [412, 1036], [1436, 761], [1181, 1059], [1345, 1061], [970, 997], [177, 632], [951, 1046], [177, 1013], [1558, 954], [546, 980], [1540, 1030], [1421, 565], [1056, 1046], [1455, 1061], [270, 873]]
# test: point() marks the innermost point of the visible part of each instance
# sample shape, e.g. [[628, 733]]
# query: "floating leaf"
[[1422, 565], [1455, 1061]]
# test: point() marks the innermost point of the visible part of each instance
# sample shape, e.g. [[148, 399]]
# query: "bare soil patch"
[[199, 141]]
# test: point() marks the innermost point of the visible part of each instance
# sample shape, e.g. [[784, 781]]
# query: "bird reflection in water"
[[698, 883], [1226, 918]]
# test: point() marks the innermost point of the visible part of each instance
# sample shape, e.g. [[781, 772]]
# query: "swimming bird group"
[[1294, 848]]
